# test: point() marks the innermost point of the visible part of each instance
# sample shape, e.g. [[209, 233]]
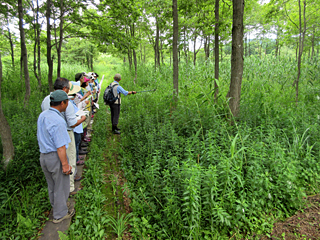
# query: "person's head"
[[84, 84], [62, 84], [117, 77], [79, 76], [59, 100]]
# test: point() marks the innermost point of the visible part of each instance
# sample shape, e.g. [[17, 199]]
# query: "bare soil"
[[303, 225]]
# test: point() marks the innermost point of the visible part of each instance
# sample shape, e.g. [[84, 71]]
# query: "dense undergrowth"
[[193, 176]]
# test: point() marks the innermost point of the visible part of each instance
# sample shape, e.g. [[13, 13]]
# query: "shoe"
[[87, 139], [82, 152], [75, 191], [80, 162], [81, 157], [77, 178], [116, 127], [84, 144], [69, 215], [84, 148], [116, 132], [92, 116]]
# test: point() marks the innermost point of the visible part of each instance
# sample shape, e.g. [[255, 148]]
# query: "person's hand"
[[83, 117], [66, 169], [134, 92], [87, 101]]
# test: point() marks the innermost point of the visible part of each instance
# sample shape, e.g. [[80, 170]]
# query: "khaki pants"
[[72, 155], [58, 183]]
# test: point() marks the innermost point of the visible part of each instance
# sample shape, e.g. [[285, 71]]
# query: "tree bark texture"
[[36, 69], [5, 132], [24, 53], [236, 58], [302, 32], [135, 65], [216, 50], [175, 49], [49, 47], [156, 45], [11, 43], [60, 38], [132, 32]]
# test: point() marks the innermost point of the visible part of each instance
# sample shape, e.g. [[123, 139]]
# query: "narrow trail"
[[117, 194]]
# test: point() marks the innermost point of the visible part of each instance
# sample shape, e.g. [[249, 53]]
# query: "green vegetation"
[[192, 175], [188, 164]]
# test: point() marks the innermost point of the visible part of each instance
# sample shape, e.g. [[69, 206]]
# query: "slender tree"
[[236, 58], [5, 132], [175, 47], [49, 46], [216, 50], [24, 54]]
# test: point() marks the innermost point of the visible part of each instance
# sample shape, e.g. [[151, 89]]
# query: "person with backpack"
[[115, 103]]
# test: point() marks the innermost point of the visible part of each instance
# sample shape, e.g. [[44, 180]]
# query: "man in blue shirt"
[[115, 107], [53, 140]]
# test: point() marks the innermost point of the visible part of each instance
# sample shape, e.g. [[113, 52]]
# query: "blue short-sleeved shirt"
[[52, 131], [69, 115], [79, 128]]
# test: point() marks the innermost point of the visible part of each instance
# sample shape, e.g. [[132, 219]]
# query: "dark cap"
[[117, 76], [58, 96], [78, 76]]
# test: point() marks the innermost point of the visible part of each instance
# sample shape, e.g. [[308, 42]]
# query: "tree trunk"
[[49, 47], [5, 132], [124, 59], [312, 42], [140, 52], [60, 38], [24, 54], [91, 62], [130, 58], [156, 46], [194, 49], [246, 47], [175, 49], [144, 57], [249, 53], [236, 58], [11, 44], [38, 40], [36, 43], [301, 41], [216, 50], [135, 66], [185, 45], [161, 50]]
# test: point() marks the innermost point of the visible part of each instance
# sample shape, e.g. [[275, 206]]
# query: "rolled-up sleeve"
[[121, 90]]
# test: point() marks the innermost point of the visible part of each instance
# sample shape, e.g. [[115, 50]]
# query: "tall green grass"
[[193, 176]]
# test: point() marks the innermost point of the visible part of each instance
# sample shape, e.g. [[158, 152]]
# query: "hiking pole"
[[147, 91]]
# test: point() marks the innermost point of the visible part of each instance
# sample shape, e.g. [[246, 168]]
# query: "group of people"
[[61, 134], [62, 137]]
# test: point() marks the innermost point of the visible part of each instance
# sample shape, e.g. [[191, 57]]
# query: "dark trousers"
[[115, 113], [77, 139]]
